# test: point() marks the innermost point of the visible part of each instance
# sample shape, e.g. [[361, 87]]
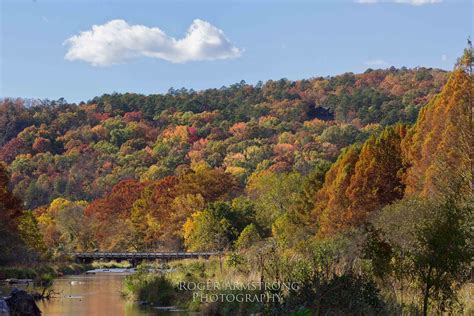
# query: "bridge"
[[136, 257]]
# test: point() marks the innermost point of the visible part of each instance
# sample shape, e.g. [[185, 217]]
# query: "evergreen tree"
[[438, 148], [377, 177], [331, 202]]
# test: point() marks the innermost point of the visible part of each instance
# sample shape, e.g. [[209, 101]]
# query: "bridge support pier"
[[83, 260]]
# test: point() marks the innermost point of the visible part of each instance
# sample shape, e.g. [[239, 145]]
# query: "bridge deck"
[[143, 255]]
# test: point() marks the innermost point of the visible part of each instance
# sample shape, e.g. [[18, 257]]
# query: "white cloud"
[[376, 63], [116, 42], [412, 2], [418, 2]]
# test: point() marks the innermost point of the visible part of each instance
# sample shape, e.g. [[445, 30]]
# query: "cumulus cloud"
[[117, 41], [412, 2]]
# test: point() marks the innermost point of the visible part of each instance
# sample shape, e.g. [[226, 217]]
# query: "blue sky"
[[256, 40]]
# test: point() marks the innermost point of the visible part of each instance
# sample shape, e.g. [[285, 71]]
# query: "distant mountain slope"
[[56, 149]]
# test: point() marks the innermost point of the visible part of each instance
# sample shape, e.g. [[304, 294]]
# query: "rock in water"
[[22, 304], [4, 310]]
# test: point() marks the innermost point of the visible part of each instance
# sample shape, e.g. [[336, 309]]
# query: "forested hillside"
[[238, 141], [357, 179], [78, 152]]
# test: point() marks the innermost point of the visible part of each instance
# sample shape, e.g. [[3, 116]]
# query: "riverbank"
[[192, 284], [215, 287], [40, 271], [55, 269]]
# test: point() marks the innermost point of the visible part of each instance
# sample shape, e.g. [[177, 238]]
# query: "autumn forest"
[[360, 180]]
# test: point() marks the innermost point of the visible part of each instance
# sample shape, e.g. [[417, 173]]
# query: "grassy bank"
[[39, 271], [56, 269], [348, 291], [111, 264], [165, 288]]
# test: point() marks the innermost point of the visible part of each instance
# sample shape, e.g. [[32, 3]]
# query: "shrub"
[[346, 294], [149, 287]]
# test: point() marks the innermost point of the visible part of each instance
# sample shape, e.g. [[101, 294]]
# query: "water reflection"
[[93, 295]]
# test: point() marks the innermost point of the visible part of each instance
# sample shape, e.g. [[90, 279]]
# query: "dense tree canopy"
[[343, 183], [56, 149]]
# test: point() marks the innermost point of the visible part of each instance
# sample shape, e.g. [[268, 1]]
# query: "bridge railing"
[[143, 254]]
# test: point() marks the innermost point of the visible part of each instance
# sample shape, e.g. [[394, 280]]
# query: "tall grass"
[[162, 288], [152, 288]]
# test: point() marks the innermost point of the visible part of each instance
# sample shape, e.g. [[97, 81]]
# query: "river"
[[94, 295]]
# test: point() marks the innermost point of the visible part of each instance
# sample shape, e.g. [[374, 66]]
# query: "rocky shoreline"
[[19, 302]]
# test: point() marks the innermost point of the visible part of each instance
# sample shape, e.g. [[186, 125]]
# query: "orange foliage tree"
[[438, 146]]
